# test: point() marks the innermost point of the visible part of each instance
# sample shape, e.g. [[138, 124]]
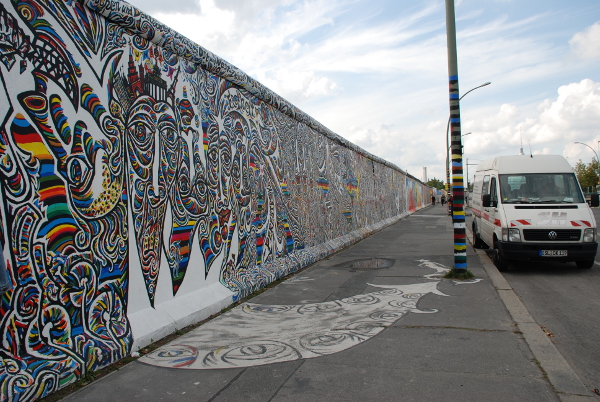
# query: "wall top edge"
[[139, 23]]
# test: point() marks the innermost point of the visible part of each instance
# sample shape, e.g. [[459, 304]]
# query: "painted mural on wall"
[[415, 195], [120, 149]]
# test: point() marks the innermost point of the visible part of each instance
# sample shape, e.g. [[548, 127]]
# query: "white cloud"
[[381, 81], [274, 41], [296, 86], [249, 14], [586, 44], [575, 112], [552, 127], [574, 115], [168, 7], [262, 38]]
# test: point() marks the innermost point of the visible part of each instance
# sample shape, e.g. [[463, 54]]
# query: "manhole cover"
[[371, 263]]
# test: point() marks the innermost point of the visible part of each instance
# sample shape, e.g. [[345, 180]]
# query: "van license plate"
[[553, 253]]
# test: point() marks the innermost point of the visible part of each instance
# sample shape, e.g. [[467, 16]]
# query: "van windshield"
[[539, 188]]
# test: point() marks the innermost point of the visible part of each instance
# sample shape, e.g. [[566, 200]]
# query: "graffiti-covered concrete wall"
[[147, 184]]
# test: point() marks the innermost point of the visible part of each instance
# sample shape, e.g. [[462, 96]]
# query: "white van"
[[532, 208]]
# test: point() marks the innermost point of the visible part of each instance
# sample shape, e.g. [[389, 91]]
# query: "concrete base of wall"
[[150, 325]]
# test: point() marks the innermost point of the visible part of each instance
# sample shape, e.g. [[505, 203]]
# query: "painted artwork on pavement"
[[124, 147], [258, 334]]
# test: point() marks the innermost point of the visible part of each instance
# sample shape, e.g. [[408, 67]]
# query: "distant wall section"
[[147, 184]]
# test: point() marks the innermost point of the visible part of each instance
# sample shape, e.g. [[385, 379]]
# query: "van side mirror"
[[487, 202]]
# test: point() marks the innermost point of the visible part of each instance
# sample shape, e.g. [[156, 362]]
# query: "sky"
[[376, 71]]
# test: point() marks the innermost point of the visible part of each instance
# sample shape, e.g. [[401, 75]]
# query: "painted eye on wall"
[[78, 169], [225, 157], [184, 184], [168, 129], [140, 131], [213, 155]]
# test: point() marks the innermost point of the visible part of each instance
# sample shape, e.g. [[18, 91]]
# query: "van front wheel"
[[499, 261]]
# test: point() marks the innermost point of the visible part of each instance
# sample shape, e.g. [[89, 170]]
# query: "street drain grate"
[[366, 264]]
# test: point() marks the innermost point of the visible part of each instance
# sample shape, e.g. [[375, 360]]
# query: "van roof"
[[527, 164]]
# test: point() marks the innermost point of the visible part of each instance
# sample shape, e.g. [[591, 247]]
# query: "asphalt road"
[[565, 301]]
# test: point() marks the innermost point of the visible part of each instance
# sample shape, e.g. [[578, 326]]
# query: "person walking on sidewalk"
[[433, 199], [443, 200]]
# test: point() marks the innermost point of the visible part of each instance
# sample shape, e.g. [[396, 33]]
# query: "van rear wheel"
[[499, 261], [587, 264]]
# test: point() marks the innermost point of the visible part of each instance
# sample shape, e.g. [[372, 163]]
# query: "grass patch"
[[453, 274]]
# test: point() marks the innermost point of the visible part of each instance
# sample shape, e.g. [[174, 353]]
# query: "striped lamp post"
[[458, 189]]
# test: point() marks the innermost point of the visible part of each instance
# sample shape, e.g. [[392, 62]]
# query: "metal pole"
[[467, 181], [458, 189]]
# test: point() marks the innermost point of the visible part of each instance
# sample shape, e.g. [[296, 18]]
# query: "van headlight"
[[589, 235], [509, 234]]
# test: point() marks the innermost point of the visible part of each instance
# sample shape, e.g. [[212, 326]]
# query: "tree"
[[435, 183], [587, 174]]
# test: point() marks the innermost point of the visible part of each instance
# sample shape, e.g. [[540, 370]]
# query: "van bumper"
[[531, 251]]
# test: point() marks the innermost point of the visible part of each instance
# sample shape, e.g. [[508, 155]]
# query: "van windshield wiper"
[[556, 202]]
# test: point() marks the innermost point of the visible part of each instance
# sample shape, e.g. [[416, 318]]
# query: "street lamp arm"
[[597, 161], [462, 135], [482, 85], [448, 135]]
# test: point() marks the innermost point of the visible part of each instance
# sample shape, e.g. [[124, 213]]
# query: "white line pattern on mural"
[[257, 334]]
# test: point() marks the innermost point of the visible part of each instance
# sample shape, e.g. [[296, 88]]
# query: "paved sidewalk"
[[374, 322]]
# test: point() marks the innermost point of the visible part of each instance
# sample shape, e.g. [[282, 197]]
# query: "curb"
[[561, 376]]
